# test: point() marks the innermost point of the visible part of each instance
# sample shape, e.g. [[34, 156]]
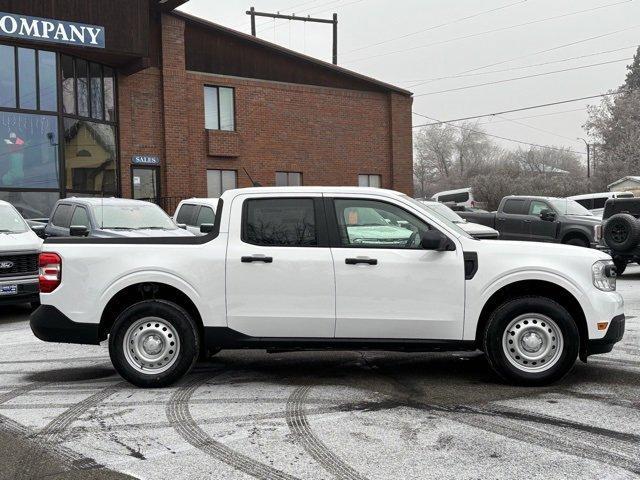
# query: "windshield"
[[445, 212], [438, 216], [11, 221], [564, 206], [132, 217]]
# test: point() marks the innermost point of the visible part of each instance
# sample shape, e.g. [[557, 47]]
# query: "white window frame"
[[288, 174], [206, 107], [221, 184], [368, 177]]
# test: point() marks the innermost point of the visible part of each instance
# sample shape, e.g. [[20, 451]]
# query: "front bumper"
[[51, 325], [614, 335], [28, 291]]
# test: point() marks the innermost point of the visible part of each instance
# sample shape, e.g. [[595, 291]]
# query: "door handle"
[[355, 261], [501, 219], [527, 221], [256, 258]]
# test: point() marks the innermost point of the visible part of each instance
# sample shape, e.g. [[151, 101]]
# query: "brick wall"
[[330, 135]]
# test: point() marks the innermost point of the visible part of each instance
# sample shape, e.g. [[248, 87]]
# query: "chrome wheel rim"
[[532, 342], [151, 345]]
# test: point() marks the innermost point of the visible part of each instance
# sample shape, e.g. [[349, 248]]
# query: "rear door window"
[[62, 215], [459, 197], [588, 202], [597, 203], [279, 222], [514, 206], [186, 214]]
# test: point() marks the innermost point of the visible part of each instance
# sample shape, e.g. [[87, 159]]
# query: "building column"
[[401, 143]]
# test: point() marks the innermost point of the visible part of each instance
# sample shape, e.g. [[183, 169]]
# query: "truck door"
[[510, 219], [540, 230], [387, 286], [280, 280]]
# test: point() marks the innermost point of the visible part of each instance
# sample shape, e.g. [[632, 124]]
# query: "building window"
[[288, 179], [219, 110], [219, 181], [369, 181]]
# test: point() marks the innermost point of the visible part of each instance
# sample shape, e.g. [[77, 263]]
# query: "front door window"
[[145, 184]]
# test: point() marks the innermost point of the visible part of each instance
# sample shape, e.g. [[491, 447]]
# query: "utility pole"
[[334, 21], [588, 156]]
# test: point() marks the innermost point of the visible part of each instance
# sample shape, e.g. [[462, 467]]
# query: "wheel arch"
[[576, 233], [542, 288], [147, 290]]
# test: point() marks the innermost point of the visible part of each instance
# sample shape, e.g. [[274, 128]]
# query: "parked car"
[[460, 196], [196, 212], [19, 249], [540, 219], [594, 202], [110, 217], [476, 230], [292, 268], [620, 233]]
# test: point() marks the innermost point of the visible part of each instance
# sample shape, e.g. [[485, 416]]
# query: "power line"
[[542, 105], [491, 122], [434, 27], [440, 122], [478, 34], [430, 80], [538, 129], [505, 80], [558, 47]]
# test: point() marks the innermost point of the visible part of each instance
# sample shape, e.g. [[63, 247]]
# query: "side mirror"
[[182, 225], [206, 228], [78, 231], [547, 215], [38, 230], [434, 240]]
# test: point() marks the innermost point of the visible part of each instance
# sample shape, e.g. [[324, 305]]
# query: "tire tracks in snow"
[[318, 450], [180, 417]]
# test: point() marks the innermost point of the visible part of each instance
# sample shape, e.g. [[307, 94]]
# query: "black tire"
[[578, 242], [621, 264], [622, 232], [177, 319], [539, 308]]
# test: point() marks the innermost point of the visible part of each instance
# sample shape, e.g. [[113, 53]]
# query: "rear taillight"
[[50, 272]]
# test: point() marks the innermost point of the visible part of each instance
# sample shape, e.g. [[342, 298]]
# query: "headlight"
[[597, 233], [604, 275]]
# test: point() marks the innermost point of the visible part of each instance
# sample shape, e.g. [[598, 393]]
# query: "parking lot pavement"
[[64, 413]]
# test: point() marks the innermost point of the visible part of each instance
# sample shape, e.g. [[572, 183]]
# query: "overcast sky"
[[432, 48]]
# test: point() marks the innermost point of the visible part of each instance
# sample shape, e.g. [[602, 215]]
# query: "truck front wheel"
[[153, 343], [531, 341]]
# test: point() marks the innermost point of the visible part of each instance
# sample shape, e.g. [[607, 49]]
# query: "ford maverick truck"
[[307, 268]]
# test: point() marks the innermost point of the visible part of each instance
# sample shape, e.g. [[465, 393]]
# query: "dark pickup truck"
[[540, 219]]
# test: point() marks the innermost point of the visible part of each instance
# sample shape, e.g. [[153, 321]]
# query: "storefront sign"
[[152, 160], [48, 30]]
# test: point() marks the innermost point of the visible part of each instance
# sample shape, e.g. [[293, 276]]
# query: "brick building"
[[132, 98]]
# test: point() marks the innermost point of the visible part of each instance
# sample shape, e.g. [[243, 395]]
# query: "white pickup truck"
[[304, 268]]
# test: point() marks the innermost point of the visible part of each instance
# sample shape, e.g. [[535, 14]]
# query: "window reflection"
[[96, 91], [32, 204], [28, 151], [27, 78], [7, 77], [47, 84], [82, 86], [68, 85], [109, 95], [90, 156]]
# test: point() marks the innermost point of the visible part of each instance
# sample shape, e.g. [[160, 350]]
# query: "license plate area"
[[8, 290]]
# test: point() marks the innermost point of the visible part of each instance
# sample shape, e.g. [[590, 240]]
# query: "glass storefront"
[[58, 131]]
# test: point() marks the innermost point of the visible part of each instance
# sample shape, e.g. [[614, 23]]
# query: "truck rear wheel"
[[531, 341], [153, 343]]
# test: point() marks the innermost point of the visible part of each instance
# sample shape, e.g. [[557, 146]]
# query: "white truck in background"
[[295, 268]]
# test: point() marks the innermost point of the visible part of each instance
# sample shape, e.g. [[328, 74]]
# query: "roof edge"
[[633, 178], [292, 53]]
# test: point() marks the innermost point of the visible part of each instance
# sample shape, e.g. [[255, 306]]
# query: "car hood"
[[16, 242], [178, 232], [583, 219], [477, 229], [540, 250]]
